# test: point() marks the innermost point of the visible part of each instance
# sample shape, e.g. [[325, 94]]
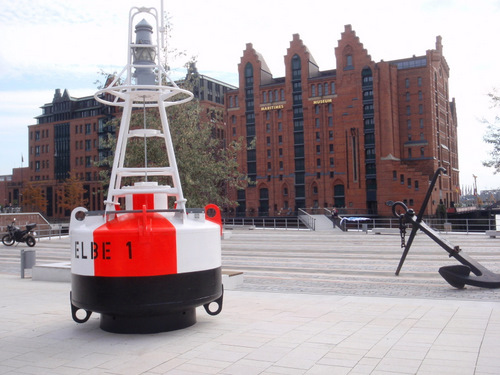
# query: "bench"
[[492, 233], [231, 279]]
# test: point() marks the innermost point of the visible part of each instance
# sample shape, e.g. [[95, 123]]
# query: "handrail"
[[309, 220]]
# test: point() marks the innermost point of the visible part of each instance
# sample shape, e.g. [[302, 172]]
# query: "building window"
[[408, 124], [416, 185], [407, 82], [318, 163], [330, 135], [313, 90], [318, 149], [332, 85], [394, 175], [420, 109], [419, 81], [402, 179], [349, 61], [331, 148], [330, 121], [420, 95], [407, 96], [408, 110]]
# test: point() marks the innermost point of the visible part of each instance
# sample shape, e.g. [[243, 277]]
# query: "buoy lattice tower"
[[146, 262]]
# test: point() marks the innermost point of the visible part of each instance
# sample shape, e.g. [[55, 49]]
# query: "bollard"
[[28, 260]]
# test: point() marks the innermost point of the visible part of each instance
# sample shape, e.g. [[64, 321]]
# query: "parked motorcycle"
[[16, 234]]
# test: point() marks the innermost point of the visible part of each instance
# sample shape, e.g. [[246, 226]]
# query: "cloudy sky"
[[50, 44]]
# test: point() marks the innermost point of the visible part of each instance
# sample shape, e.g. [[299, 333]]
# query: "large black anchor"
[[457, 275]]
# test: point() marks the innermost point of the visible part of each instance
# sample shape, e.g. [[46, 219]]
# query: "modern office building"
[[355, 137]]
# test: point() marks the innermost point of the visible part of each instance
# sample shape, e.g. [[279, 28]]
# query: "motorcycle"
[[16, 234]]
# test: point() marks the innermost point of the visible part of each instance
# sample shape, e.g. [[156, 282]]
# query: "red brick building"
[[354, 137], [70, 137]]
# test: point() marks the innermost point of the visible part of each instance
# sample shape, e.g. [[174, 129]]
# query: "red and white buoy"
[[146, 262]]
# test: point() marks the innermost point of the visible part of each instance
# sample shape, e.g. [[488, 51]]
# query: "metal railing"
[[449, 225], [307, 219], [44, 230], [296, 223], [264, 222]]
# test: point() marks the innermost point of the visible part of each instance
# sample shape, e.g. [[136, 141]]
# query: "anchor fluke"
[[455, 275]]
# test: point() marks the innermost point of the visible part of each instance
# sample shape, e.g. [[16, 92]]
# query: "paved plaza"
[[310, 303]]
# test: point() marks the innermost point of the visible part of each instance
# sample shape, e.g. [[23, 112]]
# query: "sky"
[[60, 44]]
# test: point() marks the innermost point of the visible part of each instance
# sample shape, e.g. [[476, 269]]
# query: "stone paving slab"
[[256, 333], [321, 320]]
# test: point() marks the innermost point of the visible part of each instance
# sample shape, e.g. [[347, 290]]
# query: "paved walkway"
[[260, 332]]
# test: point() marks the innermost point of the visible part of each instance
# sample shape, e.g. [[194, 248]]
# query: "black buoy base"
[[148, 324]]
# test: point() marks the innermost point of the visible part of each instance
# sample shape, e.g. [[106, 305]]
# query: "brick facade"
[[354, 137], [70, 137]]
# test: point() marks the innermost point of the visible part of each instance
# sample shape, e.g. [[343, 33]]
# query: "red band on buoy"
[[142, 244]]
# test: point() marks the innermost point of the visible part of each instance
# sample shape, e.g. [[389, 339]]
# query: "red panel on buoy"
[[135, 244], [139, 200]]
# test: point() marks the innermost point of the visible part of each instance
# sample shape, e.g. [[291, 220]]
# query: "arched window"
[[349, 63]]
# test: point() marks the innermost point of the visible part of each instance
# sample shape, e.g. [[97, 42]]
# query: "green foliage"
[[492, 137]]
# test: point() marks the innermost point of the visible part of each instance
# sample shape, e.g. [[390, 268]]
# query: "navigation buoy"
[[147, 262]]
